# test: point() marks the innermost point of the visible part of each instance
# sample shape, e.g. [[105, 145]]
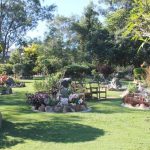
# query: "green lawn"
[[107, 127]]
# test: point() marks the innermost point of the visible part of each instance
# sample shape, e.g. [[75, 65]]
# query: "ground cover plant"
[[107, 126]]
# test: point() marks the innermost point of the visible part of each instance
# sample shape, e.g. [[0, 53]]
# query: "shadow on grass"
[[13, 99], [47, 131]]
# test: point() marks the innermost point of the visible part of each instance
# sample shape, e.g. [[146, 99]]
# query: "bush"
[[49, 82], [132, 88], [38, 99], [77, 71], [7, 68], [123, 71], [106, 70], [139, 73], [17, 68]]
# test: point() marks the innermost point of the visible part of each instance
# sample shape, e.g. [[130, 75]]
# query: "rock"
[[137, 105], [0, 120], [58, 108], [65, 82], [49, 109], [33, 108], [41, 108], [83, 107], [142, 106], [72, 107], [46, 101], [10, 82], [115, 83], [65, 109], [78, 108], [64, 101]]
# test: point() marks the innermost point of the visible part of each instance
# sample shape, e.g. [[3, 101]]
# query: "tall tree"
[[92, 36], [19, 16]]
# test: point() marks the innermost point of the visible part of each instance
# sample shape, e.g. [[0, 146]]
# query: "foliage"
[[92, 37], [17, 69], [139, 73], [105, 69], [7, 68], [132, 88], [15, 57], [138, 22], [51, 56], [116, 20], [26, 57], [38, 99], [17, 17], [95, 74], [77, 70], [48, 83], [31, 49]]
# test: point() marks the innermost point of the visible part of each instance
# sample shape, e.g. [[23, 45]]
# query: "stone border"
[[137, 108], [84, 111]]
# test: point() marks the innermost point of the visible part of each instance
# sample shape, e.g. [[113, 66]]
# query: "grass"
[[107, 127]]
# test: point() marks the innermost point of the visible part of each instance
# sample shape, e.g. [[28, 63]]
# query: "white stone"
[[64, 101], [142, 106], [49, 109], [41, 108]]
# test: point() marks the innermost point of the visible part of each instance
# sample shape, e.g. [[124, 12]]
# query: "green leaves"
[[17, 17]]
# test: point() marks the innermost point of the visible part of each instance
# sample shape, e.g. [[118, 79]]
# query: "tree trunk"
[[3, 52]]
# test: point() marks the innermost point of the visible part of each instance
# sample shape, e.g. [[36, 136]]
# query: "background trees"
[[123, 39], [17, 17]]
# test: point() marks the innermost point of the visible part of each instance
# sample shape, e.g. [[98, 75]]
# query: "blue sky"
[[70, 7], [64, 7]]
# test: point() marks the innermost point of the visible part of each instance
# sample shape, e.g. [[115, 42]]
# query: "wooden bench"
[[90, 89], [98, 89]]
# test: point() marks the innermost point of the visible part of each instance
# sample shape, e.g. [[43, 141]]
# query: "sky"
[[64, 7]]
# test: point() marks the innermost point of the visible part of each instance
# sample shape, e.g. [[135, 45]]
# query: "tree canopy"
[[19, 16]]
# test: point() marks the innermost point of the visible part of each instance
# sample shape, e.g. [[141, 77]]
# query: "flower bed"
[[43, 102], [135, 100]]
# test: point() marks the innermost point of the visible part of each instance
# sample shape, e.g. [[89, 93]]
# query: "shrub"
[[7, 68], [49, 82], [123, 71], [17, 68], [77, 71], [106, 70], [38, 99], [132, 88], [139, 73]]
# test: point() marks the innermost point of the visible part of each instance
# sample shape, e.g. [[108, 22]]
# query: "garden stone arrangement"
[[10, 82], [62, 101], [140, 99], [4, 87], [7, 83]]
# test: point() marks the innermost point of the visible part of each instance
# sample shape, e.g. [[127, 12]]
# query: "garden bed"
[[44, 102], [136, 101]]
